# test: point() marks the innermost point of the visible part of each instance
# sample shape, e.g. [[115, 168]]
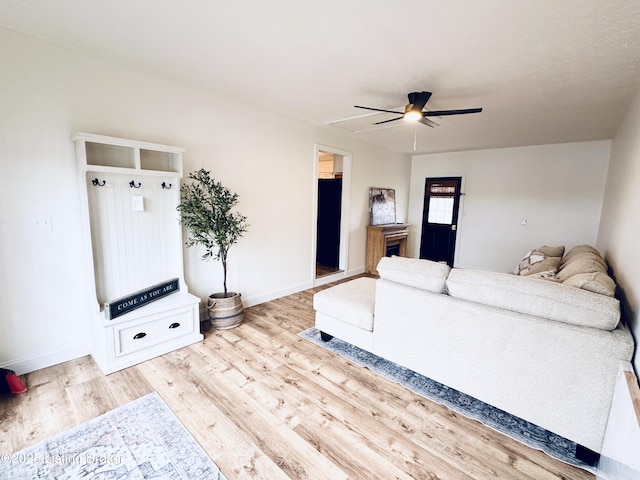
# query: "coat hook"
[[96, 183], [132, 184], [165, 186]]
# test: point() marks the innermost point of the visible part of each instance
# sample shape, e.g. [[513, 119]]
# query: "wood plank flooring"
[[266, 404]]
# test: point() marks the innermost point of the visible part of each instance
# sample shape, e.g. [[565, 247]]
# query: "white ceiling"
[[545, 71]]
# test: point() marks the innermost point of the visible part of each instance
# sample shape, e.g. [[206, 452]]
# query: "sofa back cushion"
[[414, 272], [535, 296]]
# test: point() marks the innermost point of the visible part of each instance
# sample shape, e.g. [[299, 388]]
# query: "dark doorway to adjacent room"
[[329, 213]]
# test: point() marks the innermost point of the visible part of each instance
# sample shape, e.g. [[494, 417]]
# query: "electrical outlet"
[[41, 222]]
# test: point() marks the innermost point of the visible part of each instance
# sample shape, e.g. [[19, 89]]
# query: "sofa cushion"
[[414, 272], [352, 302], [533, 296]]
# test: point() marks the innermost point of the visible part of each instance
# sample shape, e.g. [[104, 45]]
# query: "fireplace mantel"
[[385, 240]]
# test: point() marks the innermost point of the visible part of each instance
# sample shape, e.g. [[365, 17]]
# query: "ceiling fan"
[[413, 111]]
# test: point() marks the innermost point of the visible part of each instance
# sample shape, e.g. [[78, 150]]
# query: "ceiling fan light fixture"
[[411, 115], [413, 112]]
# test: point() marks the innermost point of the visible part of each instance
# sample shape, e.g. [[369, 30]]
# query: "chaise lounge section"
[[537, 348]]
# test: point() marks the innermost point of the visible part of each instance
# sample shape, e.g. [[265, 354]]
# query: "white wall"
[[48, 92], [558, 189], [619, 227]]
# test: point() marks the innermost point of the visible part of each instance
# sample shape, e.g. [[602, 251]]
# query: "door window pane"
[[441, 210]]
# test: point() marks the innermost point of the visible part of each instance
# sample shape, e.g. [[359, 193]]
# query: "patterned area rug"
[[140, 440], [503, 422]]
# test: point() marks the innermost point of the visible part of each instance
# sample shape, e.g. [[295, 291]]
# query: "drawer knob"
[[140, 335], [174, 325]]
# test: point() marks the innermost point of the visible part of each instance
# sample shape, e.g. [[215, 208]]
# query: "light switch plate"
[[137, 203]]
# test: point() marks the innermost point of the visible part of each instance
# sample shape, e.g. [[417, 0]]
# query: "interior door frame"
[[344, 218]]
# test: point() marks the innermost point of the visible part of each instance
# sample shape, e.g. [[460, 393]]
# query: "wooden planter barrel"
[[225, 312]]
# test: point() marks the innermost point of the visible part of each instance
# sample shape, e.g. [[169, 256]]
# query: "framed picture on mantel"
[[382, 206]]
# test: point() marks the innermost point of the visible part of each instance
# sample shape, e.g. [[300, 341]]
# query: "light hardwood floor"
[[265, 403]]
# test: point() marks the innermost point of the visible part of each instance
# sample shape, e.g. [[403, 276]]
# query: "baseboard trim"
[[355, 271], [267, 297], [31, 364]]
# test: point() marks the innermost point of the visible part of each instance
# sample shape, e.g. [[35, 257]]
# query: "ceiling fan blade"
[[428, 123], [442, 113], [418, 100], [378, 110], [387, 121]]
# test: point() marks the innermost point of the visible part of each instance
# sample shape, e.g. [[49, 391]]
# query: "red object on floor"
[[14, 383]]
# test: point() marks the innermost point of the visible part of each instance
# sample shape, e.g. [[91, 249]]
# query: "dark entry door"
[[440, 219]]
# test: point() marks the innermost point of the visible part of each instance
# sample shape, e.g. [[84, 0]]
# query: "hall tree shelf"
[[133, 242]]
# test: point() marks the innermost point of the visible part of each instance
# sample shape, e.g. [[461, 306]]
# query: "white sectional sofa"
[[541, 350]]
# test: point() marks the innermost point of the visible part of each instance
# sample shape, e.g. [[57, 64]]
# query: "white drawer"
[[147, 334]]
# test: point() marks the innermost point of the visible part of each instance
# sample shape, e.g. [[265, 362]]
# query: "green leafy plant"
[[206, 210]]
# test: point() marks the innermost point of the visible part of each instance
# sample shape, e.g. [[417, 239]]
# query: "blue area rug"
[[140, 440], [501, 421]]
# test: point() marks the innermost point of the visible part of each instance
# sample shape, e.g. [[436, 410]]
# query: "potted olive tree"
[[206, 210]]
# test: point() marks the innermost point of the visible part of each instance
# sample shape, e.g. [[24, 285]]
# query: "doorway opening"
[[440, 219], [331, 211]]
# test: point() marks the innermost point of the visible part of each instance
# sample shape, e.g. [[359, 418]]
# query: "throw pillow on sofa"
[[542, 262], [582, 263], [596, 282], [578, 250], [583, 267], [552, 251]]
